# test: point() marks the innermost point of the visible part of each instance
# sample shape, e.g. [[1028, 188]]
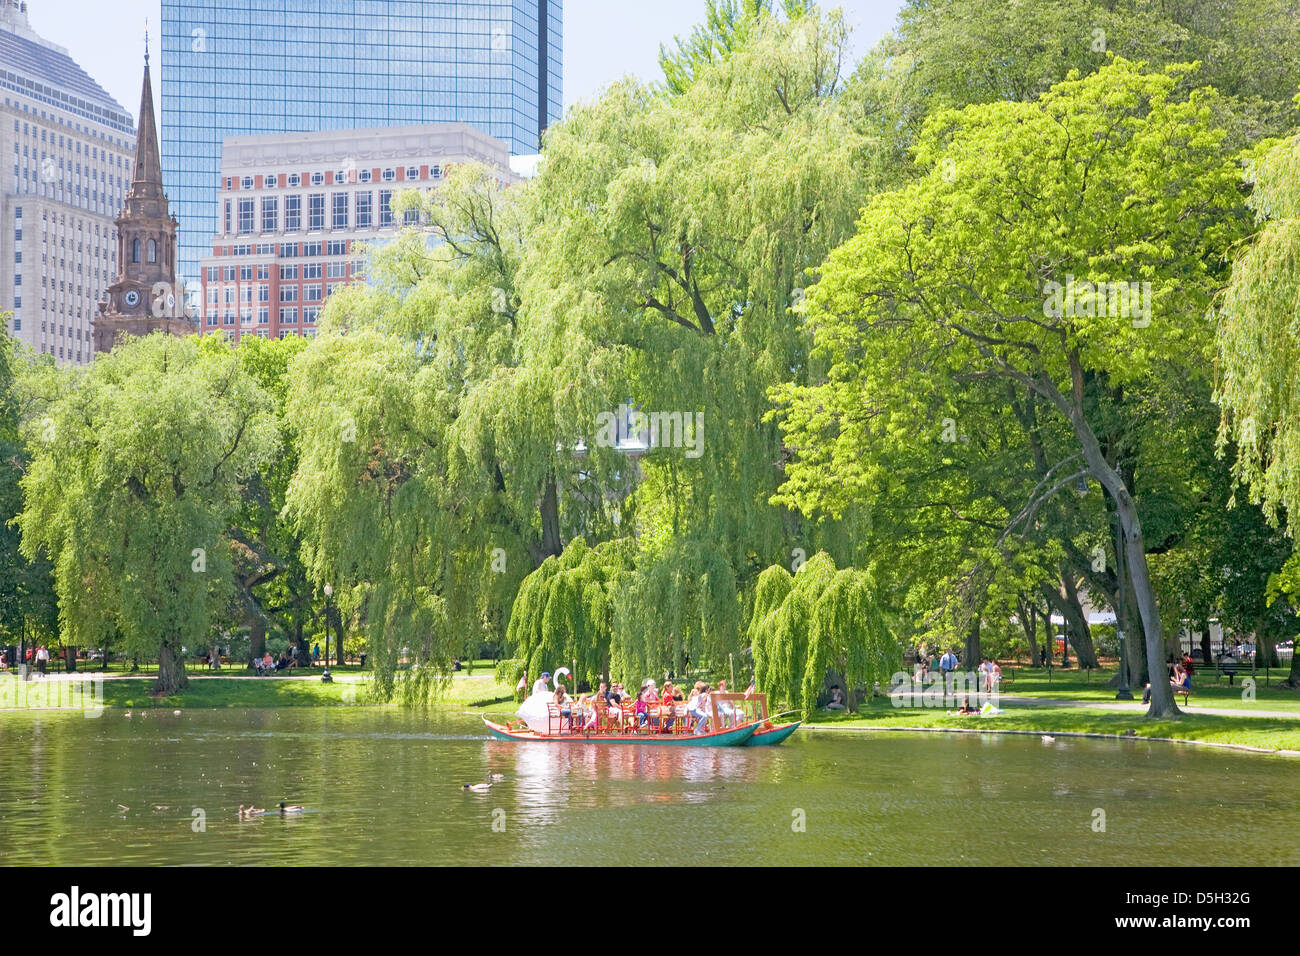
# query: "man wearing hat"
[[539, 685]]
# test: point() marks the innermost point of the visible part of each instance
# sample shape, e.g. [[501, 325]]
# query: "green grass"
[[1073, 685], [218, 693], [1272, 733]]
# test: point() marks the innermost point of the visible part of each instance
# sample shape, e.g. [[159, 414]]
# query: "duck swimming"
[[294, 809], [478, 787], [250, 812]]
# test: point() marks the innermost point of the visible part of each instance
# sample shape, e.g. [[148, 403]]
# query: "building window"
[[264, 271], [288, 293], [288, 273], [270, 214], [247, 182], [245, 216], [153, 251], [292, 213], [337, 270], [295, 179], [390, 175], [263, 293], [412, 172], [226, 231], [230, 273], [289, 316], [435, 172], [364, 176], [311, 270], [135, 250], [213, 272], [312, 293], [315, 212], [340, 210], [317, 179], [269, 180], [385, 208], [246, 273], [309, 315], [263, 316], [365, 213]]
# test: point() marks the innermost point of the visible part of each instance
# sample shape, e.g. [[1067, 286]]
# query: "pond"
[[386, 787]]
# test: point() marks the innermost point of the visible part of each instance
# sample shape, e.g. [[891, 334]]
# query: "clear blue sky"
[[603, 39]]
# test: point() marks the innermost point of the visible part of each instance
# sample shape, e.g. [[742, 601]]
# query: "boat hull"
[[770, 738], [732, 737]]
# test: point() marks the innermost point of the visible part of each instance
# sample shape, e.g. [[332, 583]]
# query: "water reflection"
[[388, 788]]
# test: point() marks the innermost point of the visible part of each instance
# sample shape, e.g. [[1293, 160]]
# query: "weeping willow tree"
[[1259, 354], [564, 612], [670, 240], [816, 621]]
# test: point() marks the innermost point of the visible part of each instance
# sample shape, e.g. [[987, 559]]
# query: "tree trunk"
[[1162, 697], [1293, 678], [1206, 655], [1029, 621], [550, 507], [338, 633], [257, 636], [1078, 620], [971, 659], [171, 671]]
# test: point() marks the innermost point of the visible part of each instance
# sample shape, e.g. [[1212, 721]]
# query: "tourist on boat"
[[647, 711], [539, 685], [725, 709], [702, 708], [694, 709]]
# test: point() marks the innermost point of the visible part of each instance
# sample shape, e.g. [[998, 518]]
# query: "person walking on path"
[[42, 658]]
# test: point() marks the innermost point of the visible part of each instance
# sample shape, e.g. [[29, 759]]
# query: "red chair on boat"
[[554, 722]]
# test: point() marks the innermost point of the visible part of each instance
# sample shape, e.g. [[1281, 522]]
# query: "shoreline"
[[1275, 752]]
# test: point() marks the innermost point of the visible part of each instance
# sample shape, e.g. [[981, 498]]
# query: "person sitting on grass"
[[837, 699], [966, 708]]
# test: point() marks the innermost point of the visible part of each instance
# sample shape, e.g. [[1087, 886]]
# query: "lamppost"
[[329, 592]]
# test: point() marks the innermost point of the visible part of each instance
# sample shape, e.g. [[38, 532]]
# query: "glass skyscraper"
[[239, 67]]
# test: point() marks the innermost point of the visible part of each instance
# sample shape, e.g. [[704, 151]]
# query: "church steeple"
[[144, 297], [146, 181]]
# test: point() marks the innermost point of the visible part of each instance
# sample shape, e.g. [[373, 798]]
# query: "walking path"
[[1137, 707]]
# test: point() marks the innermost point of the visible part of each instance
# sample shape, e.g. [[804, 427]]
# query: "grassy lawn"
[[216, 692], [1073, 685], [1273, 733]]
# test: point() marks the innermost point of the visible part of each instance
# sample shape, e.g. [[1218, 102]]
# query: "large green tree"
[[137, 472], [948, 284]]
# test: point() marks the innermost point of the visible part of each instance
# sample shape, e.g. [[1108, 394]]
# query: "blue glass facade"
[[237, 67]]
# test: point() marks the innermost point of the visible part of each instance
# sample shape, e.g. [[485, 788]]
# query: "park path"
[[1137, 707]]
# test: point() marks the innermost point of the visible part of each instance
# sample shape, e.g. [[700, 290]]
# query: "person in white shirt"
[[539, 685]]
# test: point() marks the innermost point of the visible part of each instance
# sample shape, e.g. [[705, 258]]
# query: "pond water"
[[386, 787]]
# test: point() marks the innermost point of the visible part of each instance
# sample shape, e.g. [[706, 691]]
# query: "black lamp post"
[[329, 592]]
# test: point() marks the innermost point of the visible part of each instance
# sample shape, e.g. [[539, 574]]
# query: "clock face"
[[171, 302], [132, 298]]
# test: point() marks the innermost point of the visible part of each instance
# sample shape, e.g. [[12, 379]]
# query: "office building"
[[71, 146], [251, 67], [292, 208]]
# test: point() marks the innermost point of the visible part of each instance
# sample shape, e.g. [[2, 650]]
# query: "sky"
[[603, 39]]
